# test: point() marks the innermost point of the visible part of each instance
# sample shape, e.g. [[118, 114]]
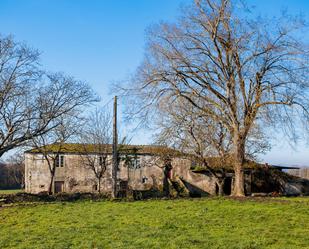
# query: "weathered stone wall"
[[37, 175], [303, 172], [200, 184], [78, 178], [150, 175], [147, 175]]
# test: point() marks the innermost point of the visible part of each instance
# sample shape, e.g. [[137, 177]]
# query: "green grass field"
[[10, 191], [197, 223]]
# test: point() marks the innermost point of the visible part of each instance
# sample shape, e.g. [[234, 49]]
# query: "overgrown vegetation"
[[9, 197], [191, 223], [10, 191]]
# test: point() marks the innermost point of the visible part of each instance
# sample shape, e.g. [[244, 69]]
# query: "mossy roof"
[[227, 163], [107, 148], [213, 162]]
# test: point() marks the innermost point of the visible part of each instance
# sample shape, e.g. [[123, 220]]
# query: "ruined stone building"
[[148, 169], [144, 168], [72, 174]]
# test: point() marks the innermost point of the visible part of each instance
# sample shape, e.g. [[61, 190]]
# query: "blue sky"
[[102, 41]]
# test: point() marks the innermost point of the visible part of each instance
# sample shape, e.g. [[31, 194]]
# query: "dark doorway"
[[227, 186], [217, 189], [124, 187], [95, 187], [59, 186]]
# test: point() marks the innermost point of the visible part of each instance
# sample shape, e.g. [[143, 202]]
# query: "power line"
[[108, 102], [132, 94], [120, 96]]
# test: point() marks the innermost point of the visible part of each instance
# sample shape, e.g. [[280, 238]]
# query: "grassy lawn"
[[9, 191], [199, 223]]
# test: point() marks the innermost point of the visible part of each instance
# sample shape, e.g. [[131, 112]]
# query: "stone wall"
[[76, 177], [147, 175], [199, 184], [303, 172]]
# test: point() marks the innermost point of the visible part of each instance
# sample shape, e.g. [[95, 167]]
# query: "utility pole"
[[115, 151]]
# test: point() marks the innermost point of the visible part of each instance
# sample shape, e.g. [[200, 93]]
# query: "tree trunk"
[[166, 186], [220, 184], [50, 188], [99, 185], [239, 183], [239, 159]]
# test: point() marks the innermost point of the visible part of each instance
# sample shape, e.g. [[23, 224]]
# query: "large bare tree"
[[236, 69], [32, 101]]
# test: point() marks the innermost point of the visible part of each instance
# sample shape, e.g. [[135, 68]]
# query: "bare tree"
[[31, 100], [184, 128], [181, 127], [96, 139], [162, 159], [51, 145], [34, 103], [236, 70]]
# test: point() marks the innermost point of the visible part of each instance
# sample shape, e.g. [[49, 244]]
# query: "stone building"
[[148, 169], [302, 172]]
